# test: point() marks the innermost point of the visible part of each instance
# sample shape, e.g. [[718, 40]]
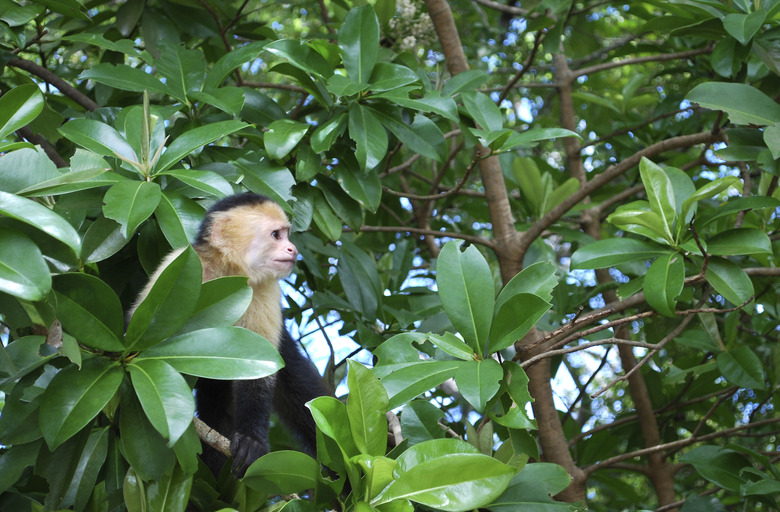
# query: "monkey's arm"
[[252, 412], [297, 383]]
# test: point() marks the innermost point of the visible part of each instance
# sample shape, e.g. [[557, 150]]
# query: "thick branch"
[[51, 78], [211, 437]]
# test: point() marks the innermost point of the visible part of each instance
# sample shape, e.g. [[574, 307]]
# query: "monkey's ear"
[[218, 234]]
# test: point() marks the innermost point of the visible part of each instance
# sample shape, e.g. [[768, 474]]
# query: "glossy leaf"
[[125, 78], [743, 104], [19, 106], [638, 217], [466, 291], [85, 473], [282, 472], [143, 447], [739, 241], [98, 137], [455, 482], [420, 422], [227, 99], [25, 168], [182, 68], [513, 319], [478, 381], [171, 492], [539, 279], [729, 280], [369, 136], [205, 181], [75, 396], [230, 61], [300, 55], [410, 380], [743, 27], [164, 395], [178, 217], [664, 283], [222, 302], [169, 303], [532, 488], [614, 251], [90, 311], [130, 203], [359, 42], [407, 136], [40, 217], [454, 346], [327, 133], [366, 406], [365, 189], [660, 194], [387, 76], [194, 139], [218, 353], [719, 465], [23, 271], [741, 367], [282, 137], [331, 418]]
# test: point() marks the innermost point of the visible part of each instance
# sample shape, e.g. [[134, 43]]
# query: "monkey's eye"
[[276, 234]]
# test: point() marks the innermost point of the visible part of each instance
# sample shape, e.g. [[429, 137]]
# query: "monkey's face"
[[271, 253]]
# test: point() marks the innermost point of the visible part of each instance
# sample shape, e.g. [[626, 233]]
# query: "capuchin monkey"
[[248, 235]]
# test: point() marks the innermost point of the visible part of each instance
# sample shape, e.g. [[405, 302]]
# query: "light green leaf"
[[516, 315], [369, 136], [227, 99], [327, 133], [231, 353], [130, 203], [743, 104], [483, 111], [614, 251], [230, 61], [452, 345], [38, 216], [387, 76], [300, 55], [660, 194], [366, 189], [366, 406], [74, 397], [282, 472], [125, 78], [87, 468], [194, 139], [98, 137], [282, 137], [164, 395], [182, 68], [331, 418], [729, 280], [19, 107], [222, 302], [664, 282], [23, 271], [478, 381], [407, 381], [407, 136], [467, 292], [739, 241], [743, 27], [359, 42], [205, 181]]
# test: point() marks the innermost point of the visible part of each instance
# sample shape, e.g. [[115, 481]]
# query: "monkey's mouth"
[[290, 262]]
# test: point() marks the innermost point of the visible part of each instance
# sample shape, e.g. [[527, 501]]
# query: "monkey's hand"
[[245, 449]]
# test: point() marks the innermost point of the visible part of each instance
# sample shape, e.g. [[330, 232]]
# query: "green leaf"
[[478, 381], [230, 353], [90, 311], [515, 316], [125, 46], [528, 137], [194, 139], [744, 104], [73, 181], [230, 61], [467, 293], [452, 345], [739, 241], [130, 203], [638, 217], [171, 491], [720, 466], [483, 110], [227, 99], [743, 27], [169, 303], [38, 216], [179, 217], [455, 482], [19, 107], [465, 81], [709, 190], [369, 136], [532, 488], [23, 271], [366, 189], [538, 279], [420, 422], [222, 302], [332, 420], [182, 68], [164, 395], [300, 55], [407, 136], [729, 280], [614, 251], [98, 137], [125, 78], [282, 472], [664, 283], [25, 168], [741, 367], [87, 469], [74, 397], [387, 76], [660, 194], [142, 446], [359, 42], [366, 406], [282, 137], [327, 133], [407, 381]]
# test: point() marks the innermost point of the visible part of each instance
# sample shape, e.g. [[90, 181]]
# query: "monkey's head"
[[251, 233]]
